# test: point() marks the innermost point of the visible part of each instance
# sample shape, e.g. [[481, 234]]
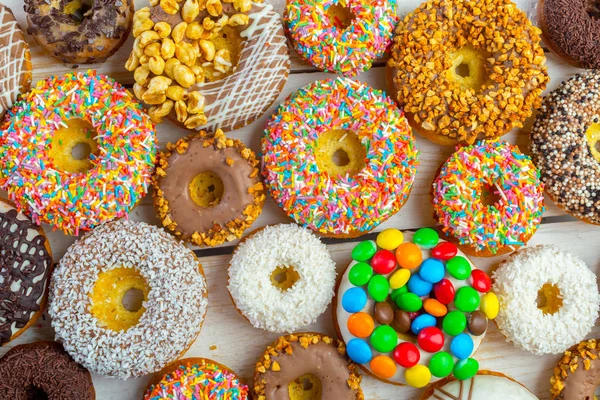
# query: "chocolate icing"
[[580, 385]]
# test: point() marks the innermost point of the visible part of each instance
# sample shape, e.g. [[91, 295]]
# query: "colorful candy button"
[[354, 299], [427, 238], [389, 239], [459, 267], [406, 354], [489, 305], [360, 274], [444, 251], [417, 376], [454, 323], [441, 364], [435, 307], [418, 286], [431, 339], [397, 292], [383, 313], [466, 299], [364, 250], [399, 278], [359, 351], [409, 302], [477, 323], [409, 255], [383, 262], [466, 369], [480, 281], [421, 322], [461, 346], [361, 324], [402, 321], [432, 270], [383, 366], [384, 338], [444, 291], [378, 288]]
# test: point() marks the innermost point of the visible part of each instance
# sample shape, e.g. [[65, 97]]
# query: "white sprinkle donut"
[[250, 278], [175, 303], [517, 282]]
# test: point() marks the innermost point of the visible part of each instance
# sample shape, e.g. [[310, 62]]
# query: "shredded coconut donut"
[[517, 282], [174, 310], [263, 304]]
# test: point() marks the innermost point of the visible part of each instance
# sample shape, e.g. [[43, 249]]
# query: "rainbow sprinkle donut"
[[339, 198], [318, 32], [488, 197], [40, 133]]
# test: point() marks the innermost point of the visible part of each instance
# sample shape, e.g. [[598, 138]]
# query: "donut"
[[207, 189], [412, 308], [565, 145], [208, 65], [467, 70], [15, 61], [196, 378], [339, 157], [306, 360], [97, 272], [41, 135], [488, 198], [577, 374], [343, 37], [43, 370], [487, 385], [79, 31], [548, 299], [281, 278], [26, 265]]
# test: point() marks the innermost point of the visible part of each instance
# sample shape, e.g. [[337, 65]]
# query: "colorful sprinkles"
[[344, 204], [497, 167], [120, 174], [344, 51]]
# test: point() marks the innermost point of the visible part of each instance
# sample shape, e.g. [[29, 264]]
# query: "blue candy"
[[359, 351], [432, 270], [421, 322], [461, 346], [354, 299], [418, 286]]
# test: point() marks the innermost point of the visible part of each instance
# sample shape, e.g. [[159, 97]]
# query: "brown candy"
[[477, 323], [401, 322], [383, 313]]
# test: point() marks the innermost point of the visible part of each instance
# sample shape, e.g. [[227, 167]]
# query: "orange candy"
[[409, 255], [383, 366], [361, 324], [435, 308]]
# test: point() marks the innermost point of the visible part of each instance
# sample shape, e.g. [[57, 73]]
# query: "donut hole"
[[592, 8], [228, 39], [490, 196], [305, 387], [35, 393], [112, 292], [339, 153], [593, 138], [78, 10], [73, 147], [206, 189], [340, 15], [81, 151], [284, 278], [468, 68], [549, 298]]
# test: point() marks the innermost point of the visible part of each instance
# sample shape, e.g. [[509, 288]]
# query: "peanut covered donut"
[[577, 374]]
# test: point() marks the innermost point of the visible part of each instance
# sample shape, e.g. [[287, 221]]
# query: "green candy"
[[409, 302], [426, 238], [378, 288], [467, 299], [360, 274], [466, 369], [441, 364], [459, 267], [384, 338], [397, 292], [454, 323], [364, 250]]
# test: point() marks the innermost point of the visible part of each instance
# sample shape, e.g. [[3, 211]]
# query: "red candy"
[[480, 281], [407, 354], [383, 262], [444, 291], [431, 339], [413, 315], [444, 251]]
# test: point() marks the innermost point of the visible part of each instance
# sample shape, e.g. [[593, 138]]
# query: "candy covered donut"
[[413, 309], [43, 169], [488, 198], [339, 157], [339, 36], [91, 282], [577, 374]]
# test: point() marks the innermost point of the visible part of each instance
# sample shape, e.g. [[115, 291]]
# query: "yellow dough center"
[[339, 153], [78, 9], [593, 138], [117, 298], [549, 299], [305, 387], [340, 15], [71, 147], [226, 39], [490, 196], [468, 68], [206, 189], [284, 278]]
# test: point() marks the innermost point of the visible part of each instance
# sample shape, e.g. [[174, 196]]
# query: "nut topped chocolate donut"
[[577, 374]]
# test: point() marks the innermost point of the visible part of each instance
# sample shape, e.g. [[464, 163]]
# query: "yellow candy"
[[417, 376], [489, 305], [389, 239], [399, 278]]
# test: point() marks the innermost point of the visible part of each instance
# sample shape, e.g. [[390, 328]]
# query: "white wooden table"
[[226, 336]]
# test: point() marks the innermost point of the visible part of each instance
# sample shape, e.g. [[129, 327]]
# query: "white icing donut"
[[174, 310], [266, 306], [482, 387], [517, 282]]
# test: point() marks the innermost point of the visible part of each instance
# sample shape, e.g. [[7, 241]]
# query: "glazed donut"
[[15, 61], [339, 36], [207, 66], [488, 198], [577, 374], [86, 299], [43, 370], [192, 378], [38, 138], [412, 308], [569, 299], [565, 143], [467, 70], [26, 265], [281, 251], [79, 31], [207, 189], [294, 359], [302, 140]]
